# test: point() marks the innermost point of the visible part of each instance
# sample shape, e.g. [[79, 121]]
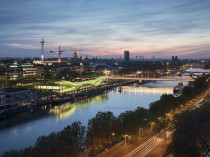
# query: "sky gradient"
[[105, 28]]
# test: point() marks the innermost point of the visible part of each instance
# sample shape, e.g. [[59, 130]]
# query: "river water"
[[22, 131]]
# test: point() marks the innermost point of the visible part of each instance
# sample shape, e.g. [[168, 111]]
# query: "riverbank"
[[50, 98], [53, 119], [159, 149]]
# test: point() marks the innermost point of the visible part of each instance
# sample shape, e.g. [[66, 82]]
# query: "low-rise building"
[[16, 98]]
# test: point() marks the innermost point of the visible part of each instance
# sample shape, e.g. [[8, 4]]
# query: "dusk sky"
[[105, 28]]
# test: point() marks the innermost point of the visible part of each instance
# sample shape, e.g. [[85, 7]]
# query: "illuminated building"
[[29, 71], [12, 99], [67, 86]]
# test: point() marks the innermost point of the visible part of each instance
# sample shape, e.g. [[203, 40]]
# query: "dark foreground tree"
[[101, 129], [192, 133]]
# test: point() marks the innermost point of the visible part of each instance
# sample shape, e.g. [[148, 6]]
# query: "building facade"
[[126, 56], [12, 99]]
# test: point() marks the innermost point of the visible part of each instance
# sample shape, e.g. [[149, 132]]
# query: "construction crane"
[[59, 53], [42, 56]]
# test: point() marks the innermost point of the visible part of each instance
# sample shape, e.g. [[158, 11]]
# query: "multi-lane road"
[[146, 147], [149, 145]]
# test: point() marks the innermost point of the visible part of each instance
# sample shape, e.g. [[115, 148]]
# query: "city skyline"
[[106, 28]]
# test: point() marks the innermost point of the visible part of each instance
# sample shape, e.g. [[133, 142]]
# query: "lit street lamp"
[[152, 124], [139, 132], [160, 119], [113, 134], [125, 139]]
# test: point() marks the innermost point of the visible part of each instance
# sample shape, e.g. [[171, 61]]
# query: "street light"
[[113, 134], [152, 124], [167, 115], [139, 132], [160, 119], [125, 139]]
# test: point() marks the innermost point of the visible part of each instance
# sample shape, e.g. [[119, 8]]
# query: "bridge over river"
[[141, 89], [180, 79]]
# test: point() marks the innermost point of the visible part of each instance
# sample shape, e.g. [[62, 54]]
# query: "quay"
[[81, 93], [23, 100]]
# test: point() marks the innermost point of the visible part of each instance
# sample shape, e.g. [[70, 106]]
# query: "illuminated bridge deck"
[[156, 90], [151, 78]]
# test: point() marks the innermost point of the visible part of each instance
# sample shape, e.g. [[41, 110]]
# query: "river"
[[22, 131]]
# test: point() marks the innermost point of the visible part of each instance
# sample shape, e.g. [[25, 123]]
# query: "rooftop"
[[11, 90]]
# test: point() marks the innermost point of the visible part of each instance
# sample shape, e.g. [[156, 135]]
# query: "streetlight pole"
[[125, 139], [113, 134], [139, 132], [152, 124]]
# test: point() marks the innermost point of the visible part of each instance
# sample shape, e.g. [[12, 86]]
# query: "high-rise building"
[[126, 56], [172, 58]]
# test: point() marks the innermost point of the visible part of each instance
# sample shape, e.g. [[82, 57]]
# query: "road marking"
[[149, 150], [141, 146]]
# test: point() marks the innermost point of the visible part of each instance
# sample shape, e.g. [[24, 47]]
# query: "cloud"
[[107, 27]]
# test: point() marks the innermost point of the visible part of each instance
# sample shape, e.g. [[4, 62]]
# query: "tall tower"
[[42, 56], [59, 54], [76, 55], [126, 56]]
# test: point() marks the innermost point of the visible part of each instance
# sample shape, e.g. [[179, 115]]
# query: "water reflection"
[[66, 110], [22, 131], [25, 117], [60, 111], [63, 111]]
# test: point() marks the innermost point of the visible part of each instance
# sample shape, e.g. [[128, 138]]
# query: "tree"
[[132, 120], [47, 145], [69, 142], [192, 133], [73, 139], [100, 129]]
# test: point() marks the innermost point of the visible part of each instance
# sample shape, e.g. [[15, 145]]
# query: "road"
[[149, 145], [146, 147]]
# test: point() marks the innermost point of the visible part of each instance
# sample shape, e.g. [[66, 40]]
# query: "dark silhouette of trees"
[[166, 103], [100, 130], [169, 102], [132, 120], [74, 136], [192, 133]]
